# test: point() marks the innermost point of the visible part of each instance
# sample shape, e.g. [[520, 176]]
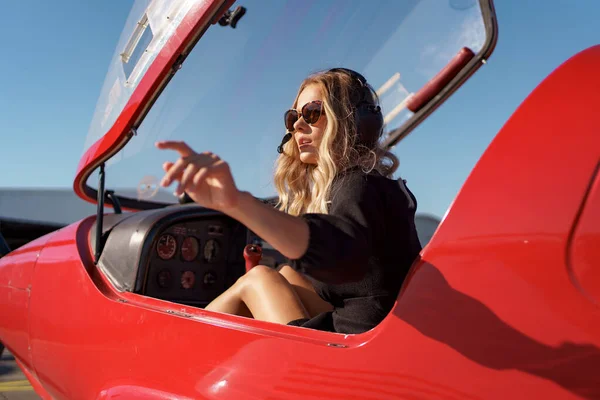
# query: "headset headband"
[[354, 74]]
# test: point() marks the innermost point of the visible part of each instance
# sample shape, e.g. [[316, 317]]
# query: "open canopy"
[[231, 92]]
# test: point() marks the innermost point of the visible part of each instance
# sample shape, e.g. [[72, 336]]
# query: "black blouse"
[[359, 254]]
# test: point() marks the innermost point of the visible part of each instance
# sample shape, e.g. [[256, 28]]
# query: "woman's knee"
[[260, 272], [259, 276]]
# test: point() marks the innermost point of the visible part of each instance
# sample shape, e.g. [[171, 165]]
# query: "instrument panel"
[[191, 261], [189, 249]]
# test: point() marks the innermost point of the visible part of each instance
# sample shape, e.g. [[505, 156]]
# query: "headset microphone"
[[285, 139]]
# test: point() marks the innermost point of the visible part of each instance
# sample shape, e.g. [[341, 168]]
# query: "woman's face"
[[308, 137]]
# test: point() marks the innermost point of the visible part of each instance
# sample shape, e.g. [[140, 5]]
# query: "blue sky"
[[56, 55]]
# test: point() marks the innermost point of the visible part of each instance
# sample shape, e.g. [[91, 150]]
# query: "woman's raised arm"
[[208, 181]]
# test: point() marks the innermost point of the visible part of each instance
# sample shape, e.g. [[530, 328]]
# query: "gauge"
[[190, 248], [188, 278], [210, 278], [167, 246], [164, 278], [211, 250]]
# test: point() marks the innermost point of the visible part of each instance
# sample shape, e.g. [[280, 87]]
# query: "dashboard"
[[184, 254], [194, 261]]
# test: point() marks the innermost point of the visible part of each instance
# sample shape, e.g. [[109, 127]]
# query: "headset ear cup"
[[369, 124]]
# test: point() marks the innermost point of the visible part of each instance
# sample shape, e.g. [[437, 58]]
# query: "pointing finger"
[[181, 147]]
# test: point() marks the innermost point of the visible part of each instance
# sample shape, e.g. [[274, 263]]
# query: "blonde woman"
[[346, 227]]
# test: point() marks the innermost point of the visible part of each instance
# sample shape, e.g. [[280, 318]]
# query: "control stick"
[[252, 255]]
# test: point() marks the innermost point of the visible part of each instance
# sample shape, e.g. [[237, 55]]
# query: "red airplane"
[[499, 304]]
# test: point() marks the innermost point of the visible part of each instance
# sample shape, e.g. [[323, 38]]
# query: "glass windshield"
[[230, 95], [149, 25]]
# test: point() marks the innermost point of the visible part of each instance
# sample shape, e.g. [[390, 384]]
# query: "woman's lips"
[[304, 143]]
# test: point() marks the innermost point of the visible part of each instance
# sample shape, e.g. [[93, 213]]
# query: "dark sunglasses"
[[311, 112]]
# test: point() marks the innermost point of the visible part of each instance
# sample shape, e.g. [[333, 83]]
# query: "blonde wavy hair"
[[306, 188]]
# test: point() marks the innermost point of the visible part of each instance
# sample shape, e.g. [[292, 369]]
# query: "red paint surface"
[[16, 276], [584, 255]]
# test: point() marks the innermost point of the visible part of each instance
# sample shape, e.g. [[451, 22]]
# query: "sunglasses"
[[311, 112]]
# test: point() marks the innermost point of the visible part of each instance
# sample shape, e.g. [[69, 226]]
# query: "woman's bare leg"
[[265, 293], [230, 302], [313, 303]]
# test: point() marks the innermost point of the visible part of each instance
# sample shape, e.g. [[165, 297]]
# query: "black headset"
[[368, 116]]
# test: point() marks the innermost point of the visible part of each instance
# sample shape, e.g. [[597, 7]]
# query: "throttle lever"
[[252, 255]]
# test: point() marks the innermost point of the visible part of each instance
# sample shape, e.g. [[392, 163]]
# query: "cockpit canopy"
[[231, 92]]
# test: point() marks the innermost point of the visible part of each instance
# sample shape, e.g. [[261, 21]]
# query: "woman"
[[347, 229]]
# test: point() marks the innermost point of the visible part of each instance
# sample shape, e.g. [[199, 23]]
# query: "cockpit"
[[220, 79]]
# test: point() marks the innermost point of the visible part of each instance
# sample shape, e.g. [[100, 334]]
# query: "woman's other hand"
[[204, 177]]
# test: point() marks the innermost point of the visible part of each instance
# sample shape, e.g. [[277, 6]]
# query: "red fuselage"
[[502, 304]]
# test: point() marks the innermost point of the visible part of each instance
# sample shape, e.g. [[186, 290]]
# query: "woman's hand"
[[204, 177], [208, 181]]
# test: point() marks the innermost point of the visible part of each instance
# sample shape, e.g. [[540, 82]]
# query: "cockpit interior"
[[184, 254]]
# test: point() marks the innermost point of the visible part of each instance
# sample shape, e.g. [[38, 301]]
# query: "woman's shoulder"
[[358, 182], [357, 178]]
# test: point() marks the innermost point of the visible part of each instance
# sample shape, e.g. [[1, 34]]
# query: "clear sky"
[[56, 55]]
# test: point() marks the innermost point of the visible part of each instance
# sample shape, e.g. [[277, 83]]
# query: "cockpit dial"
[[166, 247], [188, 278], [211, 250], [190, 248], [164, 279]]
